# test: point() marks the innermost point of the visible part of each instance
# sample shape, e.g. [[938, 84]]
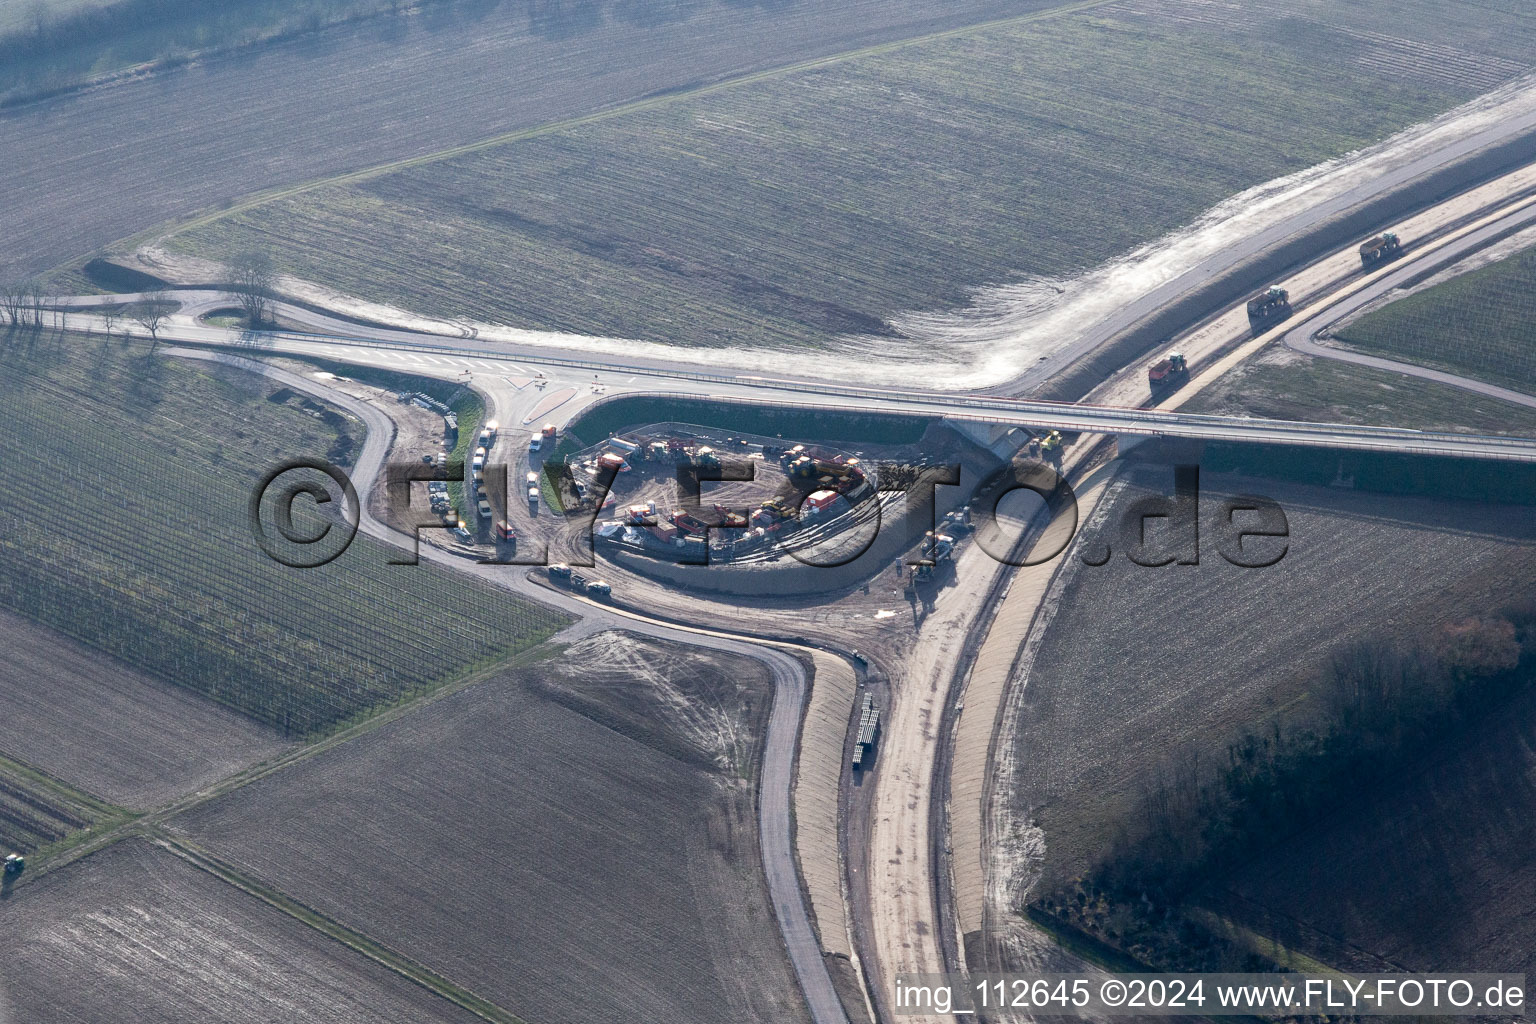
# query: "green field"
[[1481, 324], [1282, 385], [125, 526], [821, 200]]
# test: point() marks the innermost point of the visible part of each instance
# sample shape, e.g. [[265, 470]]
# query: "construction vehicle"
[[958, 521], [1051, 442], [688, 523], [778, 508], [15, 864], [937, 546], [869, 728], [549, 435], [560, 571], [819, 501], [1169, 371], [1271, 305], [729, 519], [597, 588], [1379, 249], [504, 532]]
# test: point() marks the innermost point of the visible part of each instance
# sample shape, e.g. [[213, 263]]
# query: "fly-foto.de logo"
[[1248, 531]]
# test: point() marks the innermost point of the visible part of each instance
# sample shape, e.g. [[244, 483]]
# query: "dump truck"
[[729, 518], [1379, 249], [1169, 371], [687, 522], [1270, 306], [597, 588], [560, 571], [869, 728]]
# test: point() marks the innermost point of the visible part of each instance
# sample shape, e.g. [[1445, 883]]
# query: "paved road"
[[404, 350], [1302, 337], [779, 745], [442, 356], [1242, 249]]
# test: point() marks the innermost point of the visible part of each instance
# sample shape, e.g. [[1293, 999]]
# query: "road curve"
[[779, 744], [1302, 337], [371, 348]]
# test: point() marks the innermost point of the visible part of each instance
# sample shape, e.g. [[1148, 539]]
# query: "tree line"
[[24, 305], [1378, 710]]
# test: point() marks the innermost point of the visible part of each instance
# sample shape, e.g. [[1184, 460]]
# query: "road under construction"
[[895, 915]]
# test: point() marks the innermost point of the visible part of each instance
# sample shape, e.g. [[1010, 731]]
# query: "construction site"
[[829, 492]]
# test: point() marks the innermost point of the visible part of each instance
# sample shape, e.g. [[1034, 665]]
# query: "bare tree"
[[12, 300], [252, 285], [109, 317], [154, 307], [32, 305]]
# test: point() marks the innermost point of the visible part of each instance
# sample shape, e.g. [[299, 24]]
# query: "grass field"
[[125, 527], [1286, 385], [822, 201], [1481, 325], [133, 933], [575, 840]]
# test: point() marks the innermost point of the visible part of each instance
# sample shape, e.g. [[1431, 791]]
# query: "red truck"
[[1169, 371]]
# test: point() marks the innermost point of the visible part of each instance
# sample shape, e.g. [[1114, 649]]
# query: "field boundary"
[[356, 941], [167, 228]]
